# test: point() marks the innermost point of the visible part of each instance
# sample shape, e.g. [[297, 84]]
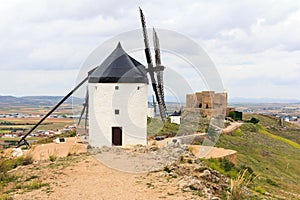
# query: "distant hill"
[[37, 100], [261, 100]]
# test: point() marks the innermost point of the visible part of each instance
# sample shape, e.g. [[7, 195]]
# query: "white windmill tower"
[[118, 101]]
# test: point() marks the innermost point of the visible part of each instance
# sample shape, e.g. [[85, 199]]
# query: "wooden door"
[[117, 136]]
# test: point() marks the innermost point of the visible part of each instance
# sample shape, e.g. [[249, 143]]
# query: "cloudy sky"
[[255, 45]]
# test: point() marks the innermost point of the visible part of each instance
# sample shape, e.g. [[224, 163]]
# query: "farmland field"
[[9, 124]]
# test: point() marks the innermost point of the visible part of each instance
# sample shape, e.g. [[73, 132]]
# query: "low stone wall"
[[213, 152]]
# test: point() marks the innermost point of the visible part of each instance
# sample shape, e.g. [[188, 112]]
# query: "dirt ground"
[[71, 145], [83, 176], [86, 178]]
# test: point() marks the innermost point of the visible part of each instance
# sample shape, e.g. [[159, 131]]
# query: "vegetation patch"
[[224, 166], [270, 151], [238, 184], [279, 138]]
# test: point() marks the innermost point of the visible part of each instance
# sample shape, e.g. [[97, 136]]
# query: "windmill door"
[[117, 136]]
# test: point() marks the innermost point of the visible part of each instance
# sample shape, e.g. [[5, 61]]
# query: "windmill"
[[116, 77]]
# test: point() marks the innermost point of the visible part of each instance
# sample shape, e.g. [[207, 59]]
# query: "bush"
[[28, 159], [227, 165], [260, 190], [224, 166], [167, 169], [237, 133], [52, 158], [34, 185], [5, 197], [271, 182], [249, 169], [253, 120], [53, 155]]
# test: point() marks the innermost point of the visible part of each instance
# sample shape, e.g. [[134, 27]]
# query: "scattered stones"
[[173, 164]]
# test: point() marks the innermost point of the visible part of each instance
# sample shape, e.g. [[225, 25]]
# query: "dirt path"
[[89, 179], [232, 127]]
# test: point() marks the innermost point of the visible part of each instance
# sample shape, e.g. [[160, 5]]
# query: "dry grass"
[[53, 155], [237, 185], [74, 150]]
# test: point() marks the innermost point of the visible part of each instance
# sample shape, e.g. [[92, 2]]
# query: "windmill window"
[[116, 87], [138, 87], [117, 111]]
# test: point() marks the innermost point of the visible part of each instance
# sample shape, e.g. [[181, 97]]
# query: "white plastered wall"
[[132, 102]]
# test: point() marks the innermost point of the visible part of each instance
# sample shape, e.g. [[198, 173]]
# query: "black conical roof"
[[119, 67]]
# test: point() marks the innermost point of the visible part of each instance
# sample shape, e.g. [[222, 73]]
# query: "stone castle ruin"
[[207, 103]]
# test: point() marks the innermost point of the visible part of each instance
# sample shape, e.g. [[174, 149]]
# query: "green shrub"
[[237, 133], [260, 190], [34, 185], [224, 166], [249, 169], [52, 158], [28, 159], [227, 165], [53, 155], [254, 120], [5, 197], [271, 182], [167, 169], [31, 177]]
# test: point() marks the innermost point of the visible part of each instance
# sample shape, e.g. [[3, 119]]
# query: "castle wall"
[[207, 103]]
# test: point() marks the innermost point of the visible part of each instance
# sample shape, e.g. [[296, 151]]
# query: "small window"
[[138, 87], [116, 87], [117, 111]]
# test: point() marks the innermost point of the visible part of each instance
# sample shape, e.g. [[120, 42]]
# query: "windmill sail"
[[154, 105], [87, 111], [159, 71], [151, 68], [84, 110]]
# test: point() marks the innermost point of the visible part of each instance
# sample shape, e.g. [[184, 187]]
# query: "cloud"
[[37, 82], [254, 44]]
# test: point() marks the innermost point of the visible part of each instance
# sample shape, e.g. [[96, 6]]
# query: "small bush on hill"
[[237, 133], [224, 166], [271, 182], [254, 120]]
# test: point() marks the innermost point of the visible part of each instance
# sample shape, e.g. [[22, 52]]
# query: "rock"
[[195, 184], [173, 174], [105, 149], [205, 173], [17, 152], [153, 148]]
